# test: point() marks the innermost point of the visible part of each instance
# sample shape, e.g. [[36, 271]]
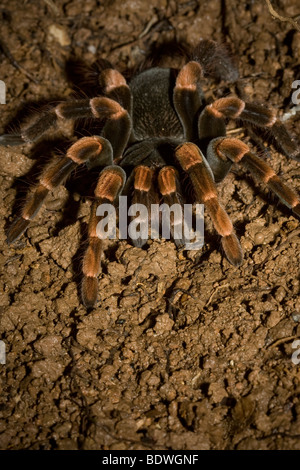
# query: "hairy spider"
[[158, 132]]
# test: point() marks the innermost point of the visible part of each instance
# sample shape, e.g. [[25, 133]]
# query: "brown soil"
[[183, 351]]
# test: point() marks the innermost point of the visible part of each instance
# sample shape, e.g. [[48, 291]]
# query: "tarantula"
[[158, 132]]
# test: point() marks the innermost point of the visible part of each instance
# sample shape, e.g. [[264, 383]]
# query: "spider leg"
[[114, 86], [258, 115], [187, 97], [208, 59], [116, 129], [143, 193], [237, 151], [193, 162], [109, 186], [95, 150], [170, 190], [169, 185], [11, 139]]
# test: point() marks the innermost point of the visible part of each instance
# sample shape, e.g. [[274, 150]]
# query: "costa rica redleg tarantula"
[[157, 129]]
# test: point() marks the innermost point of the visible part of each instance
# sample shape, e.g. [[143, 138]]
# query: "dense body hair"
[[154, 113]]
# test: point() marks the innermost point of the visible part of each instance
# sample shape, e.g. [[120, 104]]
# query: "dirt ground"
[[183, 351]]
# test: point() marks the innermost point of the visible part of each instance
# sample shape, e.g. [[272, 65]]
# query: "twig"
[[279, 341], [223, 286], [288, 239], [53, 7], [11, 58], [282, 18], [235, 131], [151, 23]]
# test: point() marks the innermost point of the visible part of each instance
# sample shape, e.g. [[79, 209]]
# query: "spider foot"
[[11, 140], [16, 229], [232, 248]]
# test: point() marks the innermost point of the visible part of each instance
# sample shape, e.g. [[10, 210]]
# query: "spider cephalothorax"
[[157, 133]]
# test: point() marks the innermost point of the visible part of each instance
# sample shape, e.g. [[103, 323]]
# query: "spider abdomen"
[[153, 110]]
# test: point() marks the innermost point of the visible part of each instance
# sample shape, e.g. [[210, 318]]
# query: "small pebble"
[[60, 34]]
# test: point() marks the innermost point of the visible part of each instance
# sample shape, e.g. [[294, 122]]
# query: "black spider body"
[[153, 112], [156, 125]]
